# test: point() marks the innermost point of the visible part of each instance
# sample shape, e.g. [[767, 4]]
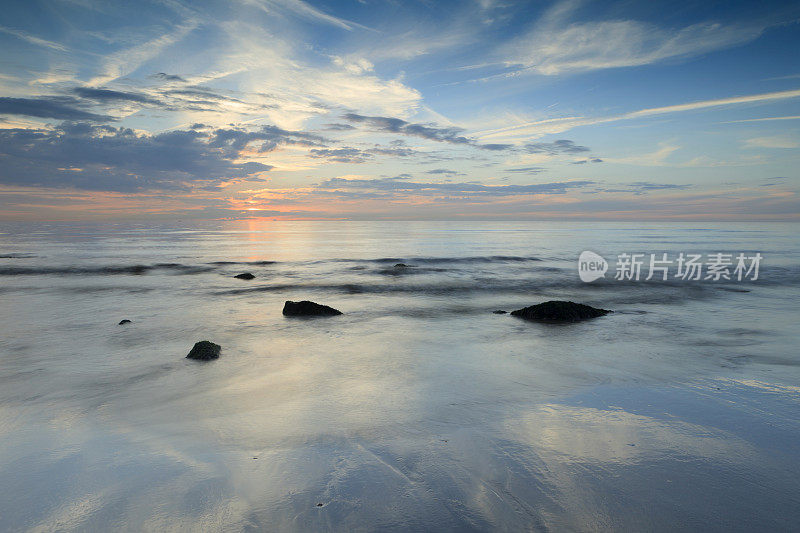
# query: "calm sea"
[[418, 408]]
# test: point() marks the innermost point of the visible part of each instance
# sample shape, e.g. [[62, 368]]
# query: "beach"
[[416, 409]]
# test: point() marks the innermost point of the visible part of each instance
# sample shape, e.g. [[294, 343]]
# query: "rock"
[[204, 351], [246, 275], [499, 312], [306, 308], [124, 321], [559, 311], [401, 265]]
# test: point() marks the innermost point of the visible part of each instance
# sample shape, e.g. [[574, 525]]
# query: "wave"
[[410, 261], [223, 263], [133, 270], [406, 270], [655, 292]]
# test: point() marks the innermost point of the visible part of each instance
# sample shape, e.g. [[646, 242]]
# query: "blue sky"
[[402, 110]]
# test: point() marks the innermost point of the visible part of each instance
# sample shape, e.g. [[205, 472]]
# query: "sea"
[[417, 409]]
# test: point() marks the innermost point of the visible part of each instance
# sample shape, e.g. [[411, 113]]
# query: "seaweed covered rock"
[[559, 311], [204, 351], [246, 275], [124, 321], [306, 308]]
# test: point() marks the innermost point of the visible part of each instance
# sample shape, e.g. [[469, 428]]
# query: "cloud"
[[108, 95], [32, 39], [656, 158], [561, 146], [431, 132], [341, 155], [526, 170], [468, 189], [560, 125], [338, 127], [395, 151], [776, 141], [105, 158], [205, 99], [639, 188], [642, 187], [397, 125], [494, 147], [304, 10], [233, 140], [355, 65], [357, 155], [558, 44], [167, 77], [754, 98], [125, 61], [445, 171], [763, 119], [57, 107]]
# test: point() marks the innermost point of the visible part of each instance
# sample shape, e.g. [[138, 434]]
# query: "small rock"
[[559, 311], [500, 312], [124, 321], [204, 351], [306, 308], [246, 275], [401, 265]]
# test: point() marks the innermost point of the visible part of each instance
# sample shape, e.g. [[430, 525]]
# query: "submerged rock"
[[401, 265], [499, 312], [306, 308], [204, 351], [559, 311], [246, 275], [124, 321]]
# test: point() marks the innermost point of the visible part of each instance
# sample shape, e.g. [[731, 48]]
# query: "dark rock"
[[246, 275], [124, 321], [204, 351], [500, 312], [306, 308], [401, 265], [559, 311]]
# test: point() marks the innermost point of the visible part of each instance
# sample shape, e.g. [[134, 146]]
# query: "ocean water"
[[418, 408]]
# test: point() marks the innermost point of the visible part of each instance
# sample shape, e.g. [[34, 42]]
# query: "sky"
[[389, 109]]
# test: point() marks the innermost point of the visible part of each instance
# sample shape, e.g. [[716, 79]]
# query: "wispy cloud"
[[763, 119], [467, 189], [559, 125], [32, 39], [431, 132], [561, 146], [128, 60], [108, 95], [557, 43], [57, 107], [305, 10], [775, 141]]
